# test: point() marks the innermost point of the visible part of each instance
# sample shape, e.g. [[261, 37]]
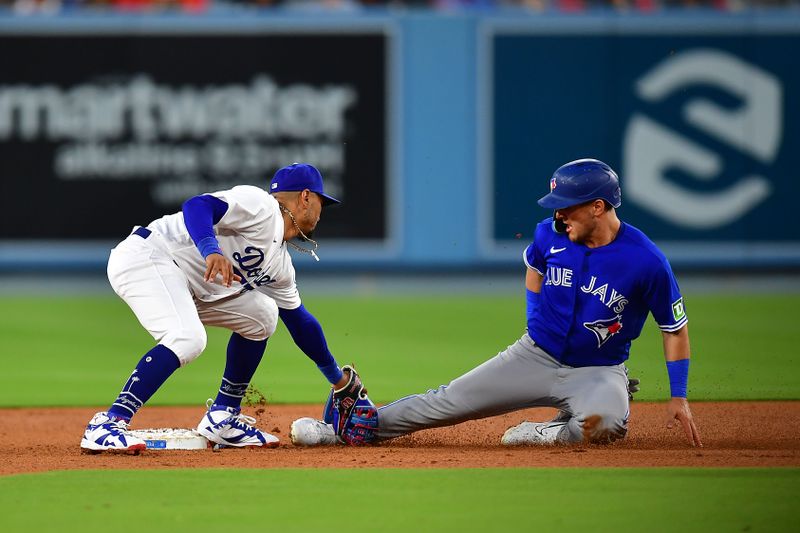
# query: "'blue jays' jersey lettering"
[[594, 301], [559, 276]]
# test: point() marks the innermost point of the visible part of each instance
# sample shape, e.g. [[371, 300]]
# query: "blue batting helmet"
[[581, 181]]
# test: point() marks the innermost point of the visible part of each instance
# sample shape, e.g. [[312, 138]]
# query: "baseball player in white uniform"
[[222, 261]]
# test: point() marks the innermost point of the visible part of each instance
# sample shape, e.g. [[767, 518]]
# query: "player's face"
[[580, 220], [312, 210]]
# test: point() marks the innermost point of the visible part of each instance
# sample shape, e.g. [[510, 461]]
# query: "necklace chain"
[[311, 251]]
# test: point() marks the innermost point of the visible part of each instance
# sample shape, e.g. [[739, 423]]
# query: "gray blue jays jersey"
[[594, 301]]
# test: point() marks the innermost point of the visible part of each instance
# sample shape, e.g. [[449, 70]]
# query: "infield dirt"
[[756, 434]]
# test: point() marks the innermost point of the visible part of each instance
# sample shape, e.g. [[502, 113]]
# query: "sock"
[[152, 371], [243, 358]]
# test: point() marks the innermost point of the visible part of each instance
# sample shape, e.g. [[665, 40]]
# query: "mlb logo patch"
[[275, 185], [552, 183]]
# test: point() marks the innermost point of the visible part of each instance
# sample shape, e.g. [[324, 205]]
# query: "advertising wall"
[[438, 131], [99, 132], [699, 123]]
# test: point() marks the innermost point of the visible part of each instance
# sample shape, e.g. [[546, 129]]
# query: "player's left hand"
[[678, 409], [350, 411], [633, 386]]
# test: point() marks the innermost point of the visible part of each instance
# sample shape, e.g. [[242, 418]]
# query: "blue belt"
[[142, 232]]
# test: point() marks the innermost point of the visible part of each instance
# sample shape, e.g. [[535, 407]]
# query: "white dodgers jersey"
[[250, 235]]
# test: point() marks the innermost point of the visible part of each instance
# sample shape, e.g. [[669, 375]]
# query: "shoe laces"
[[118, 424], [243, 422], [237, 419]]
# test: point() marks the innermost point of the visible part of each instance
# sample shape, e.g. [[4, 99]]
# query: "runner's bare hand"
[[678, 409]]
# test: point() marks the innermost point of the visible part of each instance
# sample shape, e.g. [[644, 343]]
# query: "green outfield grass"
[[79, 351], [686, 500]]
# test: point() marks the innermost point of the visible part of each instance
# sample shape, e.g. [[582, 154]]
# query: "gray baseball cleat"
[[312, 432], [532, 434]]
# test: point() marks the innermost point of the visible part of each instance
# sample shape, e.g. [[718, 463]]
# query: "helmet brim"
[[555, 201]]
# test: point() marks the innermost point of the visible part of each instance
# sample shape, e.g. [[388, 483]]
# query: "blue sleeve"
[[307, 334], [531, 303], [663, 297], [200, 213], [533, 256]]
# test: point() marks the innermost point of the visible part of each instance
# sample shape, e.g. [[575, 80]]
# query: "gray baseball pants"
[[519, 377]]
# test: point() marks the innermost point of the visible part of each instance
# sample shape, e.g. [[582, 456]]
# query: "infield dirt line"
[[752, 434]]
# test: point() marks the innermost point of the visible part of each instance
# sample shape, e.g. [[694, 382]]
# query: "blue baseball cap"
[[298, 177]]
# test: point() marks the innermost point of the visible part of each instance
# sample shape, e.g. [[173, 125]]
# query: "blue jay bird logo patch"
[[604, 329]]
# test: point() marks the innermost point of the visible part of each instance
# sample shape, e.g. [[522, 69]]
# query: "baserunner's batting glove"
[[633, 384], [350, 411]]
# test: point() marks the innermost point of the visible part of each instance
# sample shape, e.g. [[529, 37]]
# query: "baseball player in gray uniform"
[[222, 261], [591, 282]]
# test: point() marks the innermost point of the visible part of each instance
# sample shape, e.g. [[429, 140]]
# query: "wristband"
[[209, 246], [678, 377], [532, 302], [332, 373]]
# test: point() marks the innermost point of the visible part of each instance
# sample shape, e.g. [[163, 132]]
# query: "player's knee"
[[603, 427], [262, 321], [187, 343]]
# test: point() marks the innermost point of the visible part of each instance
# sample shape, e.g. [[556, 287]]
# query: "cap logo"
[[552, 183], [275, 185]]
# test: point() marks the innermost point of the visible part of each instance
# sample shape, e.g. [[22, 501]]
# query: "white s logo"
[[651, 149]]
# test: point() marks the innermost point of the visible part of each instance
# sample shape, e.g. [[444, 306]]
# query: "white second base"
[[171, 439]]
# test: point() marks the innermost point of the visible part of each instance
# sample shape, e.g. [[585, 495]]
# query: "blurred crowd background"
[[25, 7]]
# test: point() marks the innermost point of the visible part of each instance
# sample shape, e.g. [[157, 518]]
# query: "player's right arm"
[[533, 281], [200, 213], [535, 263]]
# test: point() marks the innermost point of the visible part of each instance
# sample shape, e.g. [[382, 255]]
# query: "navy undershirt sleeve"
[[200, 213], [307, 334]]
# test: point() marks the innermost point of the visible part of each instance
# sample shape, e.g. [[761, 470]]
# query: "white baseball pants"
[[158, 293]]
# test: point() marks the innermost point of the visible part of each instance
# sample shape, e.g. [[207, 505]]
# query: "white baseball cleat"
[[106, 434], [312, 432], [229, 427], [532, 434]]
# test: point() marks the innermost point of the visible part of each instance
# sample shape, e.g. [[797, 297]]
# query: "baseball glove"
[[350, 411]]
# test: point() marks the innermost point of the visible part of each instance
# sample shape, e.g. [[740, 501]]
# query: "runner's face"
[[580, 220]]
